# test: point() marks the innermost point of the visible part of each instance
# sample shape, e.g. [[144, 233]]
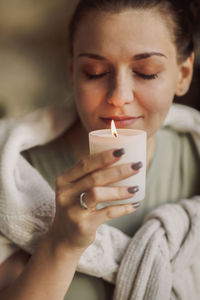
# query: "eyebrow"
[[147, 55], [91, 55], [135, 57]]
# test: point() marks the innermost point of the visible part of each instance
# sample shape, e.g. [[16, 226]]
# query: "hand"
[[75, 226]]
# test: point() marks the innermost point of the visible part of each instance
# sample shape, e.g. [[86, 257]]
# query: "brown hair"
[[173, 12]]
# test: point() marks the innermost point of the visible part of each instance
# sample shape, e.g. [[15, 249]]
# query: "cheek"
[[88, 101], [86, 97], [157, 96], [88, 93], [155, 102]]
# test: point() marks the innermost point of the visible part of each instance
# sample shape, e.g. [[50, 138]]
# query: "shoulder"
[[183, 118], [176, 140], [177, 157], [185, 122]]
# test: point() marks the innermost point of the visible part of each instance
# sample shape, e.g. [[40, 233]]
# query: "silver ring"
[[82, 202]]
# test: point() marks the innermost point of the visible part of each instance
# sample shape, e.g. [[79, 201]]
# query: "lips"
[[121, 121]]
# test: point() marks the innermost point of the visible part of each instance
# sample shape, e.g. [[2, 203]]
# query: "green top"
[[173, 175]]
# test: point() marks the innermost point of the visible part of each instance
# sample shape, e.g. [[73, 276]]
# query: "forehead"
[[128, 31]]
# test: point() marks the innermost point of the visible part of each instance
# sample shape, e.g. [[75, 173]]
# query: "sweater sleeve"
[[162, 259]]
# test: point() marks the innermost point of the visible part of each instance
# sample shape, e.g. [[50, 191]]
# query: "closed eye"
[[146, 76], [95, 76]]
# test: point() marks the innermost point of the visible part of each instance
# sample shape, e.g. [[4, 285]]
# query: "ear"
[[70, 71], [185, 75]]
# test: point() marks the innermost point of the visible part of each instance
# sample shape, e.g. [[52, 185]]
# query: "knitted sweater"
[[27, 207]]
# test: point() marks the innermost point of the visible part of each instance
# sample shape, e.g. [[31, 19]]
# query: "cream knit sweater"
[[160, 262]]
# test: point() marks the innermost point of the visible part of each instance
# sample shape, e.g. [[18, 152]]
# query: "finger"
[[106, 214], [98, 195], [90, 164], [105, 177]]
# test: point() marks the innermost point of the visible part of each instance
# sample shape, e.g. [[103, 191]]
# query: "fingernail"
[[119, 152], [133, 189], [137, 166], [136, 205]]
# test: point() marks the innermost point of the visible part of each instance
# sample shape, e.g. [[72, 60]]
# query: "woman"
[[128, 60]]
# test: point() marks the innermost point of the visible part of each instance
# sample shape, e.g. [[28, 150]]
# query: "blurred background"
[[33, 56]]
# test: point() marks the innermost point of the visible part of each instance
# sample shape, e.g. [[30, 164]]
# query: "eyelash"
[[97, 76], [147, 76], [144, 76]]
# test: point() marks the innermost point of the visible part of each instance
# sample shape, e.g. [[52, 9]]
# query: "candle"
[[134, 144]]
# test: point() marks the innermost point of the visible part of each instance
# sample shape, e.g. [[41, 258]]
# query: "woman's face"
[[124, 68]]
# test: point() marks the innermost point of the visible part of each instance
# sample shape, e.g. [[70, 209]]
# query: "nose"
[[120, 91]]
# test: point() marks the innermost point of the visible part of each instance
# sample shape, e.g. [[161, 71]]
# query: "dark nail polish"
[[119, 152], [136, 205], [137, 166], [133, 189]]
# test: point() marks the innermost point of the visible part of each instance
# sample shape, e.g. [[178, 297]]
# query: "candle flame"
[[113, 129]]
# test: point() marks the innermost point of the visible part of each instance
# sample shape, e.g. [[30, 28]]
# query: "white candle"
[[134, 144]]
